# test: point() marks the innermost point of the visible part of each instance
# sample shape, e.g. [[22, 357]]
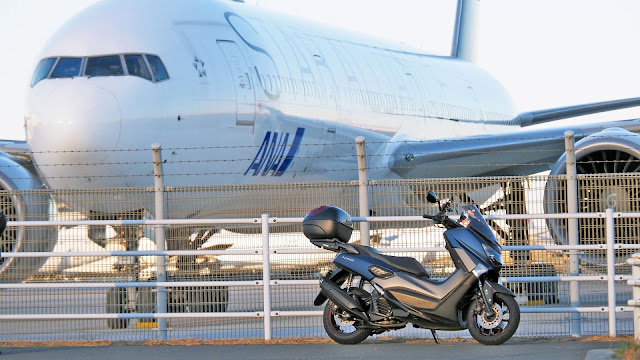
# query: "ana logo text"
[[275, 154]]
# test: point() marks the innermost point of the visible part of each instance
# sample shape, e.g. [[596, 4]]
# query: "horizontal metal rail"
[[258, 251], [132, 253], [260, 314], [255, 314], [598, 215], [116, 284], [104, 285], [135, 222]]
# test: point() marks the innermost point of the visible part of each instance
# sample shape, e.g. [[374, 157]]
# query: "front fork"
[[487, 290], [487, 297]]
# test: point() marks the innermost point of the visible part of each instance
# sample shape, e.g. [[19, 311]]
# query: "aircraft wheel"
[[116, 304], [146, 302]]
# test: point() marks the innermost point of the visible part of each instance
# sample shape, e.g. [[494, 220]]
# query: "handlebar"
[[443, 219]]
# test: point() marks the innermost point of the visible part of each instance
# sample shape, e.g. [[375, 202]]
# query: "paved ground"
[[514, 349]]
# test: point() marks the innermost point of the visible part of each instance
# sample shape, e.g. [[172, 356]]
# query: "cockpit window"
[[146, 66], [67, 67], [104, 66], [159, 72], [42, 70], [136, 66]]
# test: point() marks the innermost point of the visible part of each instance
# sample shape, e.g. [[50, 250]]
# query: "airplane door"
[[245, 95]]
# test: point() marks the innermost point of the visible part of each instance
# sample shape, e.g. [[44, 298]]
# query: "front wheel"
[[496, 329], [342, 327]]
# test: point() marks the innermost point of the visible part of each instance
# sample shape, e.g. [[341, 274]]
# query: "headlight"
[[494, 256]]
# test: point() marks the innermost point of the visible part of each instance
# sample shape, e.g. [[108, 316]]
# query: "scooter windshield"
[[473, 220]]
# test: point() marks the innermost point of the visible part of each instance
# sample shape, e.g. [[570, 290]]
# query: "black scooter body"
[[419, 296], [402, 290]]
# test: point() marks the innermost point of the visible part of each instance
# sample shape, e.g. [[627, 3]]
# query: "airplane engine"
[[22, 199], [611, 151]]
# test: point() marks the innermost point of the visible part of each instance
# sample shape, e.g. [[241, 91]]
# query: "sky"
[[547, 53]]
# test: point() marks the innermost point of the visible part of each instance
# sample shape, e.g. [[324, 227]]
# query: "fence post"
[[266, 277], [635, 300], [161, 269], [573, 229], [363, 189], [611, 272]]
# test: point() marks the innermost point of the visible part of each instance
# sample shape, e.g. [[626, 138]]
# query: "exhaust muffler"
[[340, 297]]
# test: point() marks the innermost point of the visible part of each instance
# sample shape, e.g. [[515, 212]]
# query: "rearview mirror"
[[432, 197]]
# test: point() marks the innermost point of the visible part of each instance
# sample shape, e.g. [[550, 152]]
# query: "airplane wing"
[[543, 116], [516, 153]]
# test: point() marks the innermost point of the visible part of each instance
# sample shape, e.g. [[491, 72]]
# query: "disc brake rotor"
[[491, 322], [343, 320]]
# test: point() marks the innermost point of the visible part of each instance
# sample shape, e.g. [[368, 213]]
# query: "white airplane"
[[238, 95]]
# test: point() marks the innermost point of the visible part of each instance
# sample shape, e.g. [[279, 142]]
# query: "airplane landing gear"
[[117, 304], [143, 299]]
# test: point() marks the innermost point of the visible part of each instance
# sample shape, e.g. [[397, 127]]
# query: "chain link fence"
[[218, 267]]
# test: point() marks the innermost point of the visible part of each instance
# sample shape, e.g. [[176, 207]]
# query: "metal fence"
[[68, 273]]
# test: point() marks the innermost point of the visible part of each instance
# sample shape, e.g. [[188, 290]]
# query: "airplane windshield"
[[159, 72], [104, 66], [67, 67], [42, 70], [136, 66], [146, 66]]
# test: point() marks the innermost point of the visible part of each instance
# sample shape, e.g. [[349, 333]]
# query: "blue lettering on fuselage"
[[271, 159]]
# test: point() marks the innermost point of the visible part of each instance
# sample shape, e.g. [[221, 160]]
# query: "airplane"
[[240, 95]]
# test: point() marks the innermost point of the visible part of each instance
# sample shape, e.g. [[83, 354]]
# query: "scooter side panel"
[[420, 293], [359, 264]]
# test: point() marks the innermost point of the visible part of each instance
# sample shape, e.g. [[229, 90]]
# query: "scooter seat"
[[406, 264], [402, 263]]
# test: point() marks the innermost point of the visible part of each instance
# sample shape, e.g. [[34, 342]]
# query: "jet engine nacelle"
[[608, 164], [23, 198]]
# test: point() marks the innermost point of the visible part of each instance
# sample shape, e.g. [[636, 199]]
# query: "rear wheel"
[[342, 327], [496, 329]]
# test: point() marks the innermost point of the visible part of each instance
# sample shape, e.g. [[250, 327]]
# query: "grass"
[[629, 350]]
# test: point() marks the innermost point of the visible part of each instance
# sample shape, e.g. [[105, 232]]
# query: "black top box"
[[328, 223]]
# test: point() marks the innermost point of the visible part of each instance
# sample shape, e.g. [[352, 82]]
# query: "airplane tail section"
[[465, 32]]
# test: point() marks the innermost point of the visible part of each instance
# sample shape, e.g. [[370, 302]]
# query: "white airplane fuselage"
[[251, 97]]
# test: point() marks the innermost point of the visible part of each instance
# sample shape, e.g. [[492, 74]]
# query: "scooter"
[[370, 293]]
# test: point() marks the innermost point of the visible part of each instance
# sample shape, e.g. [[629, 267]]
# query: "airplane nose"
[[75, 118]]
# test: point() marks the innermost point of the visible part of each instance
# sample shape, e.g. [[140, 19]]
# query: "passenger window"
[[104, 66], [42, 70], [136, 66], [159, 72], [67, 67]]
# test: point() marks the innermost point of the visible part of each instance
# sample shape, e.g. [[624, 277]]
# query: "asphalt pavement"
[[516, 349]]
